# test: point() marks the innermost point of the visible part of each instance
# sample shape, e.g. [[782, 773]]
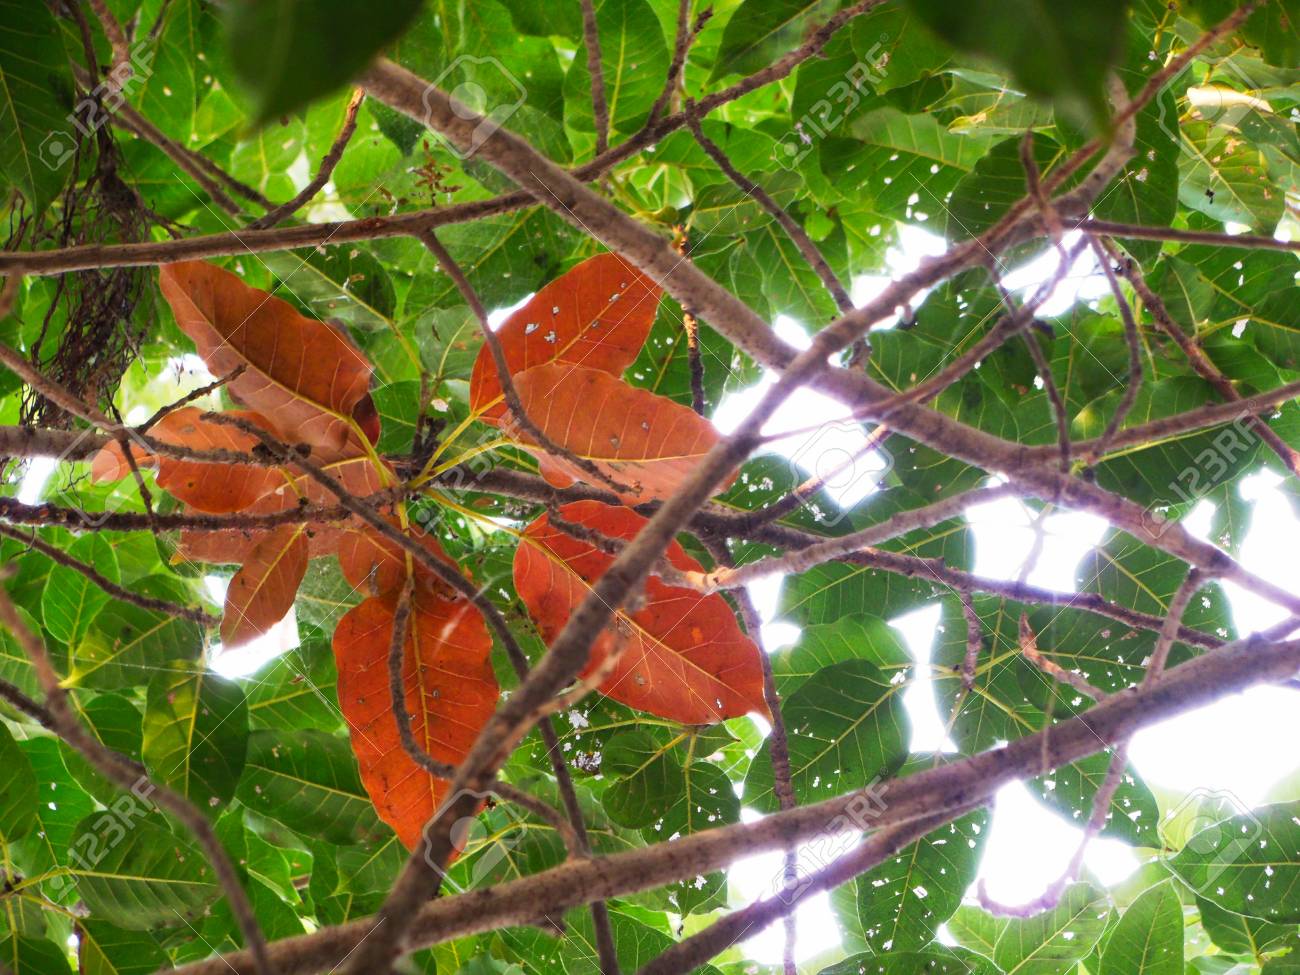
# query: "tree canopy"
[[376, 573]]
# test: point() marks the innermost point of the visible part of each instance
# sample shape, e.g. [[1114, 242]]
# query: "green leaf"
[[15, 665], [177, 78], [1240, 935], [846, 727], [1149, 937], [856, 637], [60, 806], [976, 929], [1062, 55], [906, 164], [296, 691], [898, 46], [634, 62], [935, 960], [17, 790], [760, 31], [308, 781], [290, 52], [115, 721], [195, 734], [133, 872], [126, 643], [108, 950], [995, 184], [37, 140], [71, 601], [663, 785], [1274, 27], [1047, 943], [1071, 789], [1227, 178], [32, 956], [1248, 864], [899, 905]]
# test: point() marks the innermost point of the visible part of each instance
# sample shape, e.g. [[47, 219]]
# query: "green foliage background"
[[930, 139]]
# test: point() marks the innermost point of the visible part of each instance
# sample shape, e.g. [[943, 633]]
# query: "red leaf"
[[377, 565], [263, 590], [684, 656], [451, 693], [597, 315], [647, 442], [214, 488], [303, 375]]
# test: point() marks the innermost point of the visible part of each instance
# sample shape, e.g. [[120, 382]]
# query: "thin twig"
[[1029, 648], [323, 172], [686, 34], [1196, 356], [190, 397], [943, 790], [777, 212], [151, 603], [691, 328], [833, 548], [1173, 621], [128, 776], [974, 642], [1134, 385], [596, 69]]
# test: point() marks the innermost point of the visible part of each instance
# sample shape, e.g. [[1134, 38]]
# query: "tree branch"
[[944, 789]]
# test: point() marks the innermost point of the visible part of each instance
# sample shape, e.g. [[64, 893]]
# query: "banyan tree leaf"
[[936, 959], [1148, 940], [1227, 178], [597, 316], [212, 487], [291, 52], [263, 590], [451, 692], [1248, 864], [853, 637], [109, 950], [634, 61], [195, 734], [134, 872], [126, 643], [759, 31], [36, 97], [1241, 935], [71, 601], [681, 656], [306, 377], [20, 954], [898, 906], [18, 790], [308, 781], [1049, 942], [644, 442], [846, 728], [1064, 58], [663, 784]]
